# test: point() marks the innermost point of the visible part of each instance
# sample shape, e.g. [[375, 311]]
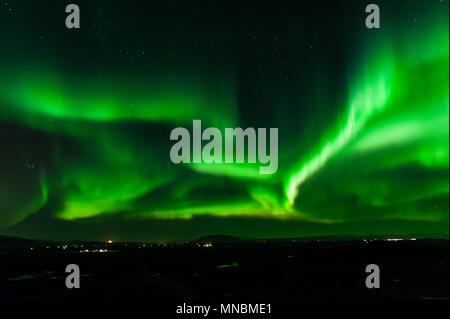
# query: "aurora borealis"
[[85, 118]]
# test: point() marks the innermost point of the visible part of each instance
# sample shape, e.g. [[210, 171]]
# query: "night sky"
[[86, 115]]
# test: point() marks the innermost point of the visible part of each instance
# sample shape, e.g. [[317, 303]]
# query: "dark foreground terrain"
[[228, 270]]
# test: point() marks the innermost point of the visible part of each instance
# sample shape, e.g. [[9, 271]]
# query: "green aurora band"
[[93, 139]]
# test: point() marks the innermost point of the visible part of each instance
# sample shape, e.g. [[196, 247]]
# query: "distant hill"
[[217, 239], [14, 243]]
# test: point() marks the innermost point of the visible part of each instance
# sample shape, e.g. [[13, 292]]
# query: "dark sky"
[[85, 118]]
